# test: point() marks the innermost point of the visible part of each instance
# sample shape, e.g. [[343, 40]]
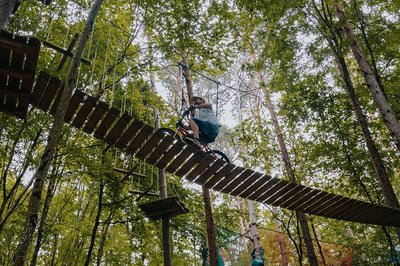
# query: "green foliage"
[[132, 38]]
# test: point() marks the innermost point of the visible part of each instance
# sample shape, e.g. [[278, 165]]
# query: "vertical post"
[[211, 239], [163, 192]]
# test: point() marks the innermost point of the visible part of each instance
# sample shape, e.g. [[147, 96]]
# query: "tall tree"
[[373, 85], [54, 135]]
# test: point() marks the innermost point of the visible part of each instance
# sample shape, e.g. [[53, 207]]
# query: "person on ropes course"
[[204, 123]]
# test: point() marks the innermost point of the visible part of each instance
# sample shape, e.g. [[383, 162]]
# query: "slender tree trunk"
[[321, 253], [54, 252], [104, 233], [45, 212], [211, 238], [96, 223], [163, 194], [11, 199], [7, 7], [380, 170], [255, 237], [282, 245], [187, 75], [54, 135], [287, 166], [373, 85]]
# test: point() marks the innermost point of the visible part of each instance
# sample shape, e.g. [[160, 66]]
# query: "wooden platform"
[[18, 59], [168, 207], [140, 140]]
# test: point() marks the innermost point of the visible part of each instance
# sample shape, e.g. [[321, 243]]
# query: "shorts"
[[208, 131]]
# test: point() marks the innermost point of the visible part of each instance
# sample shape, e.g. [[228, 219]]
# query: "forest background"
[[244, 56]]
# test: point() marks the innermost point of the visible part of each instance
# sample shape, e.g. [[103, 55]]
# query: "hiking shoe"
[[194, 142]]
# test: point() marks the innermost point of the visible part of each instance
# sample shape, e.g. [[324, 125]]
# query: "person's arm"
[[204, 105]]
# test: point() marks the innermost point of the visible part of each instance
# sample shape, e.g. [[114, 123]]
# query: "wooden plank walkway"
[[140, 140], [18, 59]]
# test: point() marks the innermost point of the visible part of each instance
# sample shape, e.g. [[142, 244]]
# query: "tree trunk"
[[282, 245], [373, 85], [54, 252], [255, 237], [384, 180], [96, 223], [104, 233], [321, 253], [11, 200], [45, 212], [288, 166], [54, 135], [211, 238], [187, 75], [163, 191], [7, 7]]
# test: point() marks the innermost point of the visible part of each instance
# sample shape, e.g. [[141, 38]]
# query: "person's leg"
[[195, 128]]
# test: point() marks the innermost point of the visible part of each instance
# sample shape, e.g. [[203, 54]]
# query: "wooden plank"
[[391, 219], [238, 180], [201, 167], [228, 178], [65, 52], [318, 200], [161, 149], [40, 86], [243, 186], [149, 145], [4, 61], [58, 86], [17, 43], [210, 172], [83, 113], [282, 192], [380, 214], [16, 74], [185, 155], [167, 207], [140, 138], [30, 63], [311, 198], [128, 135], [272, 190], [268, 189], [227, 169], [332, 206], [338, 209], [196, 157], [307, 197], [170, 154], [366, 213], [269, 181], [106, 123], [296, 197], [335, 206], [119, 127], [356, 208], [291, 194], [351, 207], [254, 187], [98, 113], [48, 95], [73, 105], [318, 208]]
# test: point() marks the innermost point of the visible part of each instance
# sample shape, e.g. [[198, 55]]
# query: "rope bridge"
[[123, 131]]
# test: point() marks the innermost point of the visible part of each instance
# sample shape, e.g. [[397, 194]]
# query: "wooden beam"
[[65, 52]]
